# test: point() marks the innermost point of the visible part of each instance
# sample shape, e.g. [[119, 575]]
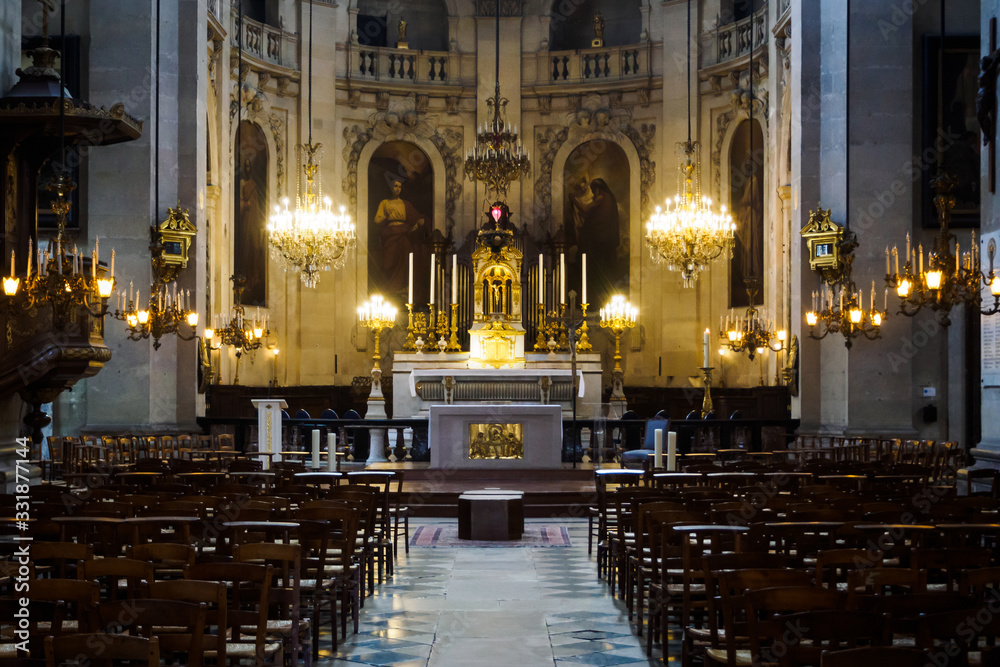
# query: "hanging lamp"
[[312, 237], [687, 233]]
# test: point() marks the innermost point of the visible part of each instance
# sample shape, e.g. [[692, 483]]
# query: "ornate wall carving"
[[548, 140], [507, 8], [739, 108]]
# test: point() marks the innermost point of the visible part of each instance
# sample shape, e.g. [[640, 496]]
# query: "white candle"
[[433, 275], [541, 279], [658, 448], [705, 349], [315, 448], [112, 263], [410, 283], [672, 451], [454, 278], [562, 278], [583, 286], [331, 451]]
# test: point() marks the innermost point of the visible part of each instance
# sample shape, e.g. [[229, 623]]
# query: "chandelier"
[[312, 237], [752, 333], [950, 277], [236, 330], [839, 307], [688, 234], [497, 158]]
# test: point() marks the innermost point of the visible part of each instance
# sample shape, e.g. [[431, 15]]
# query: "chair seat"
[[743, 657]]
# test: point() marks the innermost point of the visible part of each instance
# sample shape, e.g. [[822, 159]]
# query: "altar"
[[515, 435]]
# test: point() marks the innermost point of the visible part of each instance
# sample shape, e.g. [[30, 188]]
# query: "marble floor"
[[494, 607]]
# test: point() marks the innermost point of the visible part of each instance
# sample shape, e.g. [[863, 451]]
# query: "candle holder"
[[706, 402], [583, 342], [563, 336], [411, 339], [453, 345], [540, 341], [431, 326]]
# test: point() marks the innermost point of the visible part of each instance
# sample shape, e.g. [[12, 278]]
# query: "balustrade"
[[732, 41], [590, 65], [405, 65]]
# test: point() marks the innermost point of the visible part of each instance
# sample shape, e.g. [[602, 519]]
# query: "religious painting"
[[951, 137], [746, 197], [250, 232], [400, 219], [596, 219]]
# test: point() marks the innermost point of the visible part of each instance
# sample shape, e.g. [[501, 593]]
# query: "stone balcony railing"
[[215, 9], [732, 41], [409, 66], [587, 66]]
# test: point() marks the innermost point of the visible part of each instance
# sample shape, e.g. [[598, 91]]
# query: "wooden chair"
[[58, 559], [834, 566], [179, 626], [803, 636], [213, 594], [285, 597], [956, 634], [167, 558], [79, 598], [101, 649], [945, 567], [381, 480], [875, 656]]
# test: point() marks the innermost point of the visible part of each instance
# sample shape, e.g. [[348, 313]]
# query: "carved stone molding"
[[507, 8], [642, 138], [739, 108], [277, 124], [549, 141], [405, 125], [452, 104]]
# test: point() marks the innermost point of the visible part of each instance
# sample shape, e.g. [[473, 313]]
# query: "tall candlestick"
[[410, 283], [562, 277], [331, 450], [315, 449], [541, 279], [454, 278], [433, 275], [583, 286], [705, 349], [672, 451], [658, 448]]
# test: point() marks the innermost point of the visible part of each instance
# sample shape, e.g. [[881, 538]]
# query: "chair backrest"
[[58, 559], [352, 414], [329, 413], [302, 414], [249, 585], [187, 624], [284, 597], [101, 647], [653, 425], [79, 597], [110, 572], [211, 593]]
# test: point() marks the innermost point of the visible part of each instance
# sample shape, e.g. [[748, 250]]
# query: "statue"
[[598, 25], [401, 43]]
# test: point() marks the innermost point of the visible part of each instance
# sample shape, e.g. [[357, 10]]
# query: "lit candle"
[[411, 280], [907, 245], [541, 280], [957, 258], [658, 448], [920, 255], [433, 275], [112, 263], [895, 255], [562, 278], [454, 278], [583, 286], [887, 267], [11, 263], [705, 349], [93, 265], [29, 259]]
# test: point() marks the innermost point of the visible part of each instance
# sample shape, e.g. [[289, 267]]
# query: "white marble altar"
[[449, 435]]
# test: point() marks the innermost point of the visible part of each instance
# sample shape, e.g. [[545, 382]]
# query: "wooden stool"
[[491, 514]]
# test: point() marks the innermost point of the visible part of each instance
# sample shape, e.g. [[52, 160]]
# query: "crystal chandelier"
[[497, 158], [752, 333], [950, 277], [688, 234], [312, 237]]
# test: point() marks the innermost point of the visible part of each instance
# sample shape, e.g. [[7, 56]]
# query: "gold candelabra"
[[378, 315], [751, 333], [583, 341], [706, 401], [453, 345], [244, 334], [618, 316]]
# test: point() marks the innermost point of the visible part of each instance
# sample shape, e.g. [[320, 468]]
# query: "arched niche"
[[572, 23], [746, 196], [250, 211], [400, 214], [426, 23], [596, 212]]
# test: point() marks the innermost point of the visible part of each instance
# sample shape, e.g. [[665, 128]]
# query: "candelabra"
[[378, 315], [949, 279], [706, 401], [839, 308], [244, 334], [167, 310], [60, 281], [453, 345], [583, 341], [751, 333], [618, 316]]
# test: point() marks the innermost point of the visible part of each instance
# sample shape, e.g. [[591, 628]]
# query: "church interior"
[[298, 283]]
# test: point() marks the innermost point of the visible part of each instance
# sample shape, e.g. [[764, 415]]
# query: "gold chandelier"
[[313, 237], [236, 330], [497, 158], [949, 278], [60, 279], [688, 234], [839, 307], [752, 333]]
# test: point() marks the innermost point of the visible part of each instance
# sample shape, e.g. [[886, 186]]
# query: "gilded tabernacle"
[[496, 441]]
